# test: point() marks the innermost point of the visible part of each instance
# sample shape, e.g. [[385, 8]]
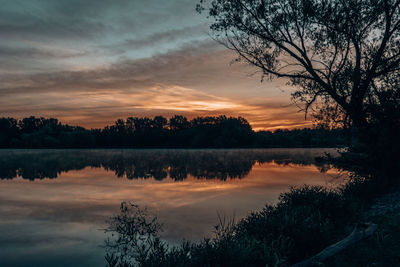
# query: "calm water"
[[54, 203]]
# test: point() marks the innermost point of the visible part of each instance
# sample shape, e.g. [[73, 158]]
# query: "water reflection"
[[142, 164], [60, 218]]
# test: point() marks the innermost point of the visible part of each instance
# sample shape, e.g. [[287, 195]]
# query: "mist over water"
[[54, 203]]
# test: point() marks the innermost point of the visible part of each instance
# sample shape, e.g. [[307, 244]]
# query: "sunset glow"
[[104, 61]]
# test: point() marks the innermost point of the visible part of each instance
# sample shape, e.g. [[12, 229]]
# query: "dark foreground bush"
[[302, 223]]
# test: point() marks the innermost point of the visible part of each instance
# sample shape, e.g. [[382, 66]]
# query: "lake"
[[55, 203]]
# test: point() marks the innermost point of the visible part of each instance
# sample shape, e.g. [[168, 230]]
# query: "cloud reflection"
[[63, 216]]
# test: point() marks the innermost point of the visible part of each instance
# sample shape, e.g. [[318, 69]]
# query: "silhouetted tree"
[[159, 122], [340, 53], [178, 131], [8, 131], [178, 122]]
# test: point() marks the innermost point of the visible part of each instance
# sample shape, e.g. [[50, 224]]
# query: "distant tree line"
[[175, 132]]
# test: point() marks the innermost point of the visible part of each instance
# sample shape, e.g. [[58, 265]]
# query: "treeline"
[[160, 132]]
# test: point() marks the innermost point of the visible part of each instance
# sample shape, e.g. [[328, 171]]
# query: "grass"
[[381, 249], [303, 222]]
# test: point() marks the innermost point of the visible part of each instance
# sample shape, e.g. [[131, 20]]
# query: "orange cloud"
[[193, 81]]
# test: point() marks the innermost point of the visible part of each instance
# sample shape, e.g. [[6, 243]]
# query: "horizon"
[[199, 133], [166, 117], [91, 63]]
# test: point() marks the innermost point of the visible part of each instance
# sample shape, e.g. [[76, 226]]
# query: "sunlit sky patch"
[[91, 62]]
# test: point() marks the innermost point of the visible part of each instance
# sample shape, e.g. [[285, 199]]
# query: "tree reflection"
[[144, 164]]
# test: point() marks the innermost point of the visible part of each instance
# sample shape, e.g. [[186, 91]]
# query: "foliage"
[[178, 131], [341, 53], [302, 223], [137, 235]]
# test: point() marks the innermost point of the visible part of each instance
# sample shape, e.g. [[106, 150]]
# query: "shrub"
[[305, 221]]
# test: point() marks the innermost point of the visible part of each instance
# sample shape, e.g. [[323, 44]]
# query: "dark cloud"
[[86, 19], [162, 37], [176, 67], [32, 52], [22, 24]]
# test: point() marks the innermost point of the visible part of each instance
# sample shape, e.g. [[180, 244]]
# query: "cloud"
[[89, 19], [34, 52], [200, 64], [125, 73], [60, 59], [162, 37], [38, 20], [194, 80], [103, 29]]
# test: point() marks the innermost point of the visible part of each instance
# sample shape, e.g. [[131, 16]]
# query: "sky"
[[91, 62]]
